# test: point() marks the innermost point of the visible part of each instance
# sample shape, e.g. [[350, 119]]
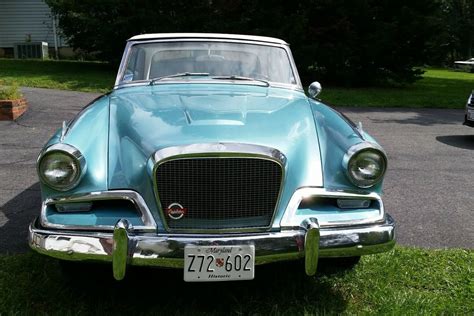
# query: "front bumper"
[[123, 247]]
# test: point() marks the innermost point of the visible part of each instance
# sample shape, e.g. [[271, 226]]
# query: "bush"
[[10, 92], [346, 42]]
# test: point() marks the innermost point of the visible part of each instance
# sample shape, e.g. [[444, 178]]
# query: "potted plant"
[[12, 103]]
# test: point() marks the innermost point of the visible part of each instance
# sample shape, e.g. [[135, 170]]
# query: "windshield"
[[149, 61]]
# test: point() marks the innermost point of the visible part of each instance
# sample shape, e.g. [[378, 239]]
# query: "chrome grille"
[[219, 193]]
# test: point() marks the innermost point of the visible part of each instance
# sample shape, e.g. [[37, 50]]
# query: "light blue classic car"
[[208, 156]]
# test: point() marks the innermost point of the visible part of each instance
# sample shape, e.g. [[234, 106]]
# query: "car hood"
[[146, 119]]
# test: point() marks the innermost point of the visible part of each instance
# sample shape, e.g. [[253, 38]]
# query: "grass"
[[64, 75], [10, 92], [439, 88], [405, 281]]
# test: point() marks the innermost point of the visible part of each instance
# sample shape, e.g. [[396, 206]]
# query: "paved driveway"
[[429, 186], [428, 189], [20, 143]]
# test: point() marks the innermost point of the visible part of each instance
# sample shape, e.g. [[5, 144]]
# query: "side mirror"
[[314, 89]]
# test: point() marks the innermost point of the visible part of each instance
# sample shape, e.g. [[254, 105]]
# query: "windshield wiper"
[[181, 74], [240, 78]]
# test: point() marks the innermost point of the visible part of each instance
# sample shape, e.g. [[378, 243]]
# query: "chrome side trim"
[[132, 196], [71, 151], [217, 150], [290, 219]]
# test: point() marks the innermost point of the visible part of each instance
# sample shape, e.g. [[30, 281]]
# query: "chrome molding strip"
[[360, 130], [217, 150], [253, 38], [149, 224], [207, 82], [290, 219], [64, 131], [204, 149], [123, 64]]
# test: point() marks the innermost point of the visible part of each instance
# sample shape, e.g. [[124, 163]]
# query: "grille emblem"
[[176, 211]]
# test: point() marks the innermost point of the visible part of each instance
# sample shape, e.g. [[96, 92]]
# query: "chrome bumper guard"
[[123, 247]]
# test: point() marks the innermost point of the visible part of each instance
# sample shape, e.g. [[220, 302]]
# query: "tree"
[[459, 24], [351, 42]]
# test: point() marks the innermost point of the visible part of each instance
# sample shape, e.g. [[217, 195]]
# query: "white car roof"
[[255, 38]]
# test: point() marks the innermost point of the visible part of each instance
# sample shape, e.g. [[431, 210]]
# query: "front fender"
[[88, 132], [336, 136]]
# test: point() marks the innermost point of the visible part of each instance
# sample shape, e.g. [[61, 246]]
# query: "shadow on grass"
[[278, 288], [459, 141]]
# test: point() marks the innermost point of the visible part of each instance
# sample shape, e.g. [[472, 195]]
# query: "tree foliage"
[[350, 42], [455, 39]]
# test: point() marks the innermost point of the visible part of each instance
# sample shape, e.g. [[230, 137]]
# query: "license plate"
[[219, 263]]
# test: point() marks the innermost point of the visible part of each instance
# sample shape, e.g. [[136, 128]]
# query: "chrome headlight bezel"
[[71, 152], [354, 152]]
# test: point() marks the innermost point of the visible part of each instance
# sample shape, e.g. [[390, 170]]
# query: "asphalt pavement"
[[428, 187]]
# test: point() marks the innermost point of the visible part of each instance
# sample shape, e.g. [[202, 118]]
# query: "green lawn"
[[439, 88], [405, 281], [65, 75]]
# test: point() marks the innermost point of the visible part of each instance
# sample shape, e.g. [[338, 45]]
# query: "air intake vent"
[[31, 50]]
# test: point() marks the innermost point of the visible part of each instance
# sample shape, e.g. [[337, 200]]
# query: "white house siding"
[[21, 19]]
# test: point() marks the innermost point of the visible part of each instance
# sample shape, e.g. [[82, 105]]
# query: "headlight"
[[365, 164], [61, 166]]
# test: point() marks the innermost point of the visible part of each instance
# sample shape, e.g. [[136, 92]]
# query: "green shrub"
[[10, 92]]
